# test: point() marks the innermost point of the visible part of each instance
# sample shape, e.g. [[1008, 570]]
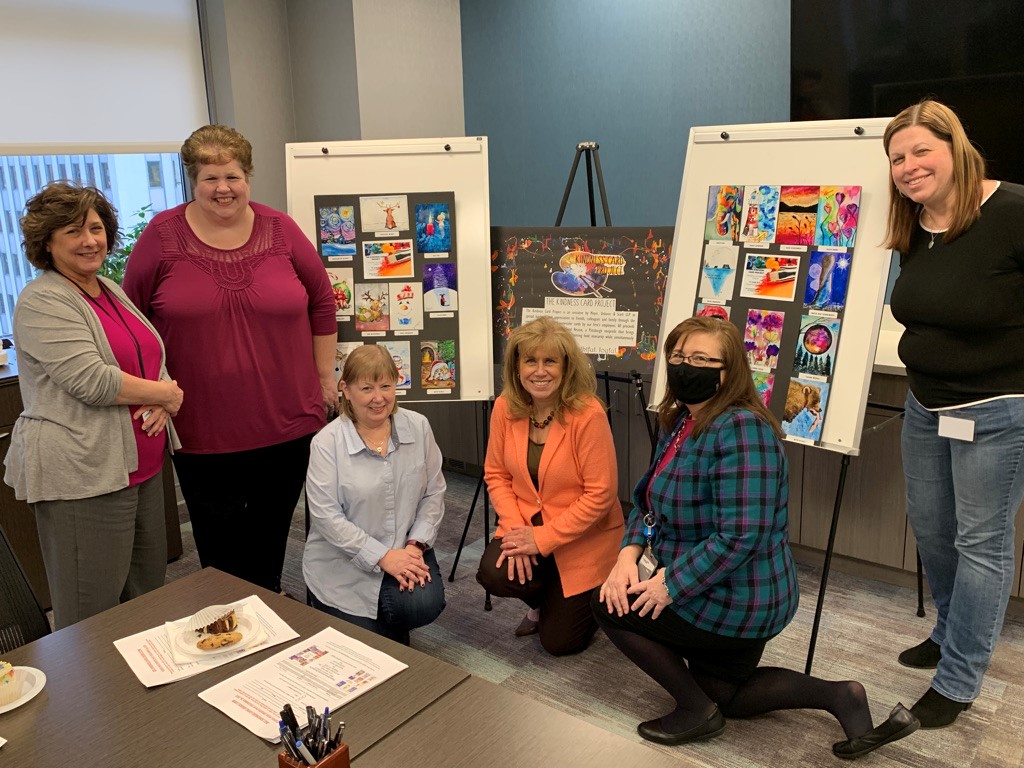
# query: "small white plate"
[[185, 640], [32, 683]]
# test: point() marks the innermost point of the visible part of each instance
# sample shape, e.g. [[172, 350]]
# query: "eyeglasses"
[[697, 360]]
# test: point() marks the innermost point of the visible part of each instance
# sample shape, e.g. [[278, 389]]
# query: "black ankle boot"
[[936, 711], [925, 655]]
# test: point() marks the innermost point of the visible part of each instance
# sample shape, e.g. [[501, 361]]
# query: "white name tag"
[[956, 429], [647, 565]]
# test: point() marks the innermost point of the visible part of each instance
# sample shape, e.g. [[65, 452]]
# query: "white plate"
[[185, 640], [32, 683]]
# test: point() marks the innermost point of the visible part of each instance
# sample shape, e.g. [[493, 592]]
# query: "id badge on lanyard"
[[647, 564]]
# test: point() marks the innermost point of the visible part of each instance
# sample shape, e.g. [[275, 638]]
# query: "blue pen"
[[326, 724], [287, 740], [306, 755]]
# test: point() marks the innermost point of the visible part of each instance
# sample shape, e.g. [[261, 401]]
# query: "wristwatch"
[[418, 544]]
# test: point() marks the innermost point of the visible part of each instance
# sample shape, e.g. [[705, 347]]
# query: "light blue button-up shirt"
[[362, 504]]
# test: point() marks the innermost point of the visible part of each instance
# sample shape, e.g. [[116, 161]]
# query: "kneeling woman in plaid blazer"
[[705, 577]]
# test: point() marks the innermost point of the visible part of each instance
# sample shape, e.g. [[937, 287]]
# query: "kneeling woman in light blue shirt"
[[376, 499]]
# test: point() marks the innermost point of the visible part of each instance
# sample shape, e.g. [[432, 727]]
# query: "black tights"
[[766, 690]]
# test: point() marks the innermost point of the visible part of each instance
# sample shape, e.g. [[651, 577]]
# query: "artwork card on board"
[[828, 278], [337, 230], [402, 356], [713, 310], [838, 215], [343, 350], [406, 305], [798, 212], [764, 383], [440, 287], [387, 214], [433, 228], [383, 259], [725, 205], [437, 364], [718, 272], [804, 413], [760, 213], [762, 335], [372, 308], [342, 280], [770, 276], [816, 346]]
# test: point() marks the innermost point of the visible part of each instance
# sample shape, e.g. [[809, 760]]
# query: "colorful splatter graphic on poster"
[[384, 213], [372, 308], [337, 230], [713, 310], [433, 228], [718, 270], [437, 364], [828, 279], [760, 214], [762, 336], [342, 282], [725, 206], [402, 357], [383, 259], [770, 276], [614, 271], [764, 383], [804, 413], [798, 212], [838, 214], [440, 287], [406, 300], [816, 346]]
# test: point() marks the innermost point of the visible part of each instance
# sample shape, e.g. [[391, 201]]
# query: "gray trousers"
[[102, 550]]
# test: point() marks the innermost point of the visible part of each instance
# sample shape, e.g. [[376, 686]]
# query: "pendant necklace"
[[379, 450], [542, 424], [931, 243]]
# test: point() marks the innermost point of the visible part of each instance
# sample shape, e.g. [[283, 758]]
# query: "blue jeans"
[[397, 611], [962, 498]]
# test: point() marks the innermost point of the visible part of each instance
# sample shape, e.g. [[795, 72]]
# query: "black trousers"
[[241, 506]]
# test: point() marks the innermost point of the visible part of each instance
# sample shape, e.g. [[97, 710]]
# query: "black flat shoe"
[[936, 711], [527, 627], [652, 731], [925, 655], [901, 723]]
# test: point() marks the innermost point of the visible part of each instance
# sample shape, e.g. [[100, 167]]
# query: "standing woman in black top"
[[960, 295]]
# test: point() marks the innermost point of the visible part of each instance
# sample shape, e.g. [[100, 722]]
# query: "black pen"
[[288, 715], [287, 740], [337, 736]]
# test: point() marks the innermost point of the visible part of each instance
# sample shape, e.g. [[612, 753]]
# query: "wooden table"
[[94, 711]]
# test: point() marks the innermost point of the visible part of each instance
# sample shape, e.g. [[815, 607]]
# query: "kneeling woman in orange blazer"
[[551, 474]]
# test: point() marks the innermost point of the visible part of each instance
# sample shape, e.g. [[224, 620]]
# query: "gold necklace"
[[379, 449]]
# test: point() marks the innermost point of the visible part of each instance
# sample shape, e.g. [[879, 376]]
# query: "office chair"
[[22, 620]]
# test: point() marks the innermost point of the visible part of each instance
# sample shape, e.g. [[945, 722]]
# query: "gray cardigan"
[[71, 441]]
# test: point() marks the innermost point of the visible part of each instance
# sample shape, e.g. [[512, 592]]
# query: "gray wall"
[[542, 75]]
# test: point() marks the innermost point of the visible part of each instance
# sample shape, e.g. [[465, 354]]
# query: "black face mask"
[[691, 385]]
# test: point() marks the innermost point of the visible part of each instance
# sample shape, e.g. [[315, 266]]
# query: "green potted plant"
[[113, 267]]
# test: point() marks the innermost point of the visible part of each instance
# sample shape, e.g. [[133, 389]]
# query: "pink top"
[[671, 450], [238, 326], [132, 343]]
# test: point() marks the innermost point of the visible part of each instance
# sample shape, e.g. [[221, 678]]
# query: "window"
[[155, 176]]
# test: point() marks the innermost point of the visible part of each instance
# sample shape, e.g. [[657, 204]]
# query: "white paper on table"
[[151, 658], [329, 670], [2, 741]]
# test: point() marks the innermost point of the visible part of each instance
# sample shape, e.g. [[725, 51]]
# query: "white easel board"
[[457, 165], [833, 152]]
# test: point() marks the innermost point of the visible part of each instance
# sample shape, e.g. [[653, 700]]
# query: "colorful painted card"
[[384, 213], [764, 383], [770, 276], [804, 414], [437, 364], [760, 214], [828, 279], [403, 361], [337, 230], [383, 259], [440, 287], [798, 212], [713, 310], [816, 346], [725, 206], [718, 272], [838, 215], [342, 283], [762, 336], [406, 305], [433, 228], [372, 308]]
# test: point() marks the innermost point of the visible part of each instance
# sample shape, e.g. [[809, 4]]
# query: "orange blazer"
[[578, 494]]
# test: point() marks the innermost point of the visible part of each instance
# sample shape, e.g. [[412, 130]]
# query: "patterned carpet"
[[865, 624]]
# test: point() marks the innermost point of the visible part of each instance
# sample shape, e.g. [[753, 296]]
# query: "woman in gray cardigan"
[[88, 448]]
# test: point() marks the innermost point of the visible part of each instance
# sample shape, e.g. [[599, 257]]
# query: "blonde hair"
[[968, 174], [215, 145], [370, 362], [578, 379]]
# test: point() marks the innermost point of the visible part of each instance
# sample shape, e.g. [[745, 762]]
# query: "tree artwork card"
[[383, 259], [804, 414], [816, 347], [712, 310], [838, 214], [828, 279], [406, 305], [440, 287], [718, 272], [433, 229], [384, 214], [372, 307], [342, 281], [437, 364], [725, 206], [760, 214], [337, 230], [798, 212], [762, 336], [402, 356], [770, 276]]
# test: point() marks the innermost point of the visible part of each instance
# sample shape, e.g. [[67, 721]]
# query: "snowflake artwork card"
[[838, 215], [440, 287], [760, 214], [725, 204], [770, 276], [342, 281], [828, 279], [406, 300], [433, 228], [816, 346], [762, 336], [437, 364], [804, 414], [718, 272], [401, 355], [372, 308], [337, 230], [384, 259], [798, 212], [384, 214]]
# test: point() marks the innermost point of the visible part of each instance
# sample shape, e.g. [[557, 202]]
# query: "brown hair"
[[578, 379], [61, 204], [215, 145], [736, 391], [370, 362], [968, 174]]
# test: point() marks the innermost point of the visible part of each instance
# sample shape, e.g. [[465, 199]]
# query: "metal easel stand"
[[826, 567], [593, 161], [480, 487]]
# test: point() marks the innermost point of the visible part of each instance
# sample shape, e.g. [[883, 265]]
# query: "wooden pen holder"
[[337, 759]]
